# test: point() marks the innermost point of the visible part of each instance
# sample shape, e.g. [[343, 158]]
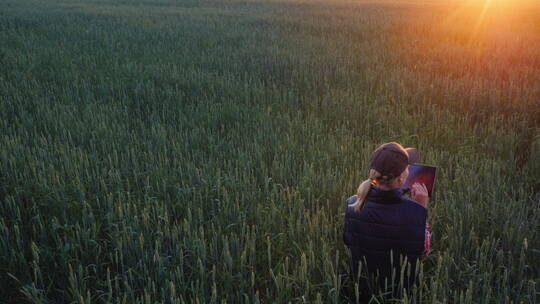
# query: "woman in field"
[[385, 231]]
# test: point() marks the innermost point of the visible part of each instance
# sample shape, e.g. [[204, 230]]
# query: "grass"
[[200, 151]]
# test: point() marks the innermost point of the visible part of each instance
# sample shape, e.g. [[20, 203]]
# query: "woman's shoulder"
[[347, 205], [414, 206]]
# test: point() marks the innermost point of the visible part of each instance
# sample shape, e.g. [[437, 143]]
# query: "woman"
[[384, 230]]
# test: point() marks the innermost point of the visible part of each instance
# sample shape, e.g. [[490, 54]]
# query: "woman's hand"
[[420, 194]]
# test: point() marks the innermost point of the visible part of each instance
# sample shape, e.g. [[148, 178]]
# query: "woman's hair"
[[374, 178]]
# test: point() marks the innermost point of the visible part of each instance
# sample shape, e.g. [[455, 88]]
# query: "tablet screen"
[[420, 174]]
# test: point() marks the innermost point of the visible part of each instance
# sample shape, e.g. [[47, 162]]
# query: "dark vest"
[[388, 227]]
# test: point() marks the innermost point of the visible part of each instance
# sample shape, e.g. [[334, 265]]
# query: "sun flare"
[[481, 20]]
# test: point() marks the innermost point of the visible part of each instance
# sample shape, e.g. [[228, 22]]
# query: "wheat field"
[[200, 151]]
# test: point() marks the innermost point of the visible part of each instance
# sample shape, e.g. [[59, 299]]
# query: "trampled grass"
[[157, 151]]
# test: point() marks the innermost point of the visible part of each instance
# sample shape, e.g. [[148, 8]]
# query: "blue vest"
[[388, 227]]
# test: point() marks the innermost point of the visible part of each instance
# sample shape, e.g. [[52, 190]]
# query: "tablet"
[[423, 174]]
